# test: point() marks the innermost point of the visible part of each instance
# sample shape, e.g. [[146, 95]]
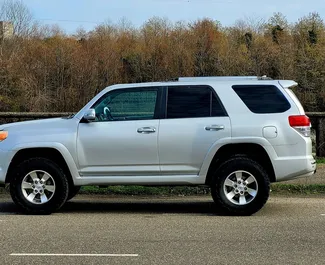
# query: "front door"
[[123, 139]]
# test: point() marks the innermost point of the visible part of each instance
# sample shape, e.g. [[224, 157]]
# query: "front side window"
[[193, 102], [127, 104]]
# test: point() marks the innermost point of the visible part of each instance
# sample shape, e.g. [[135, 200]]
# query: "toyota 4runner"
[[234, 134]]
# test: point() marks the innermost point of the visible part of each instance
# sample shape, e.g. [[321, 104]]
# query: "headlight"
[[3, 135]]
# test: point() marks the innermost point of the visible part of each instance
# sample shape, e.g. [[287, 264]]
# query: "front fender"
[[54, 145]]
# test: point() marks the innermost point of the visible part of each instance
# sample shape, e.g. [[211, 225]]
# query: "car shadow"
[[206, 208], [131, 206]]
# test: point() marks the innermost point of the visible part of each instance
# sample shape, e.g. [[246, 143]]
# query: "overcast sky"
[[70, 14]]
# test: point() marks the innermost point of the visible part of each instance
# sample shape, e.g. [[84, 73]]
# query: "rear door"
[[194, 119]]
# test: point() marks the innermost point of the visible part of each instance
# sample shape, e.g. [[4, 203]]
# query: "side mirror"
[[90, 115]]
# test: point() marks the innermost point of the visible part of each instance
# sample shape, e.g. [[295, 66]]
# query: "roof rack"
[[220, 78]]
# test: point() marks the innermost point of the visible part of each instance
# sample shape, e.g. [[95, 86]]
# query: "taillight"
[[301, 124]]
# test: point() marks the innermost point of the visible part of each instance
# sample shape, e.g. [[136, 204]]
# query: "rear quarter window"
[[262, 99]]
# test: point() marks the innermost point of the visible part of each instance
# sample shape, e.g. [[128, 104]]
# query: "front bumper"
[[5, 158]]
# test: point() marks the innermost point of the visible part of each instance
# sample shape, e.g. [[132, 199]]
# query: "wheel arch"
[[250, 150], [51, 153]]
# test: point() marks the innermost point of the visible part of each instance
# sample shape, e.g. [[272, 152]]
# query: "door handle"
[[214, 127], [146, 130]]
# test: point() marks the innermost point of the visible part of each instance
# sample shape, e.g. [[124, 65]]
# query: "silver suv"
[[234, 134]]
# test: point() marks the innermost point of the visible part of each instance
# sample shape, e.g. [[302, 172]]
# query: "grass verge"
[[320, 160], [276, 188], [143, 190], [310, 189]]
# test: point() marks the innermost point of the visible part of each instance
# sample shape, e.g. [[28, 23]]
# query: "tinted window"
[[217, 108], [192, 102], [262, 98], [127, 105]]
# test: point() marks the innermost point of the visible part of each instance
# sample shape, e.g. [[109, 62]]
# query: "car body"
[[168, 133]]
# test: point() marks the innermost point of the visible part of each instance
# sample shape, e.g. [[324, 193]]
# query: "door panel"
[[184, 143], [117, 148]]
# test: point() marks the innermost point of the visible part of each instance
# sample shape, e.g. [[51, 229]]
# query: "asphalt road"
[[178, 230]]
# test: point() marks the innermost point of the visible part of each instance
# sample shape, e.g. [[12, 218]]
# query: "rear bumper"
[[288, 168]]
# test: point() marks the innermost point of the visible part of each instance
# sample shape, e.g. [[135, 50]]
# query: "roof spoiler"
[[288, 83]]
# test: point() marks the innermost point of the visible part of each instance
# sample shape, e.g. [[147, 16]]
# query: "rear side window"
[[192, 102], [262, 98]]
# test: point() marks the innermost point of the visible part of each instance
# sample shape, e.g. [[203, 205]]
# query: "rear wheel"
[[240, 186], [39, 186]]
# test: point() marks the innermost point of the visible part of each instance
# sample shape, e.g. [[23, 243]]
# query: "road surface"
[[173, 230]]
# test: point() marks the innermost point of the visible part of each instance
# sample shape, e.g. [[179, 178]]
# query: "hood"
[[38, 125], [40, 132]]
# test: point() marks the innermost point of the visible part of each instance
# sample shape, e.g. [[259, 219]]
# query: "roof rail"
[[220, 78]]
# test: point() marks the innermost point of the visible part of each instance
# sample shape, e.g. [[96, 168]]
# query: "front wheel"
[[73, 191], [39, 186], [240, 186]]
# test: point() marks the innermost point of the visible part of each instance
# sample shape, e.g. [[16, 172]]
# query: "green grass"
[[276, 189], [320, 160], [143, 190]]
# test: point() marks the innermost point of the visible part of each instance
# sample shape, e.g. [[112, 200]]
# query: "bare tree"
[[16, 12], [45, 69]]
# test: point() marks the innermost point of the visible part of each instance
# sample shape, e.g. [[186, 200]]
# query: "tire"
[[39, 186], [240, 186], [73, 191]]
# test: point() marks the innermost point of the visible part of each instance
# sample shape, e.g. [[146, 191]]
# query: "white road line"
[[323, 214], [74, 255]]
